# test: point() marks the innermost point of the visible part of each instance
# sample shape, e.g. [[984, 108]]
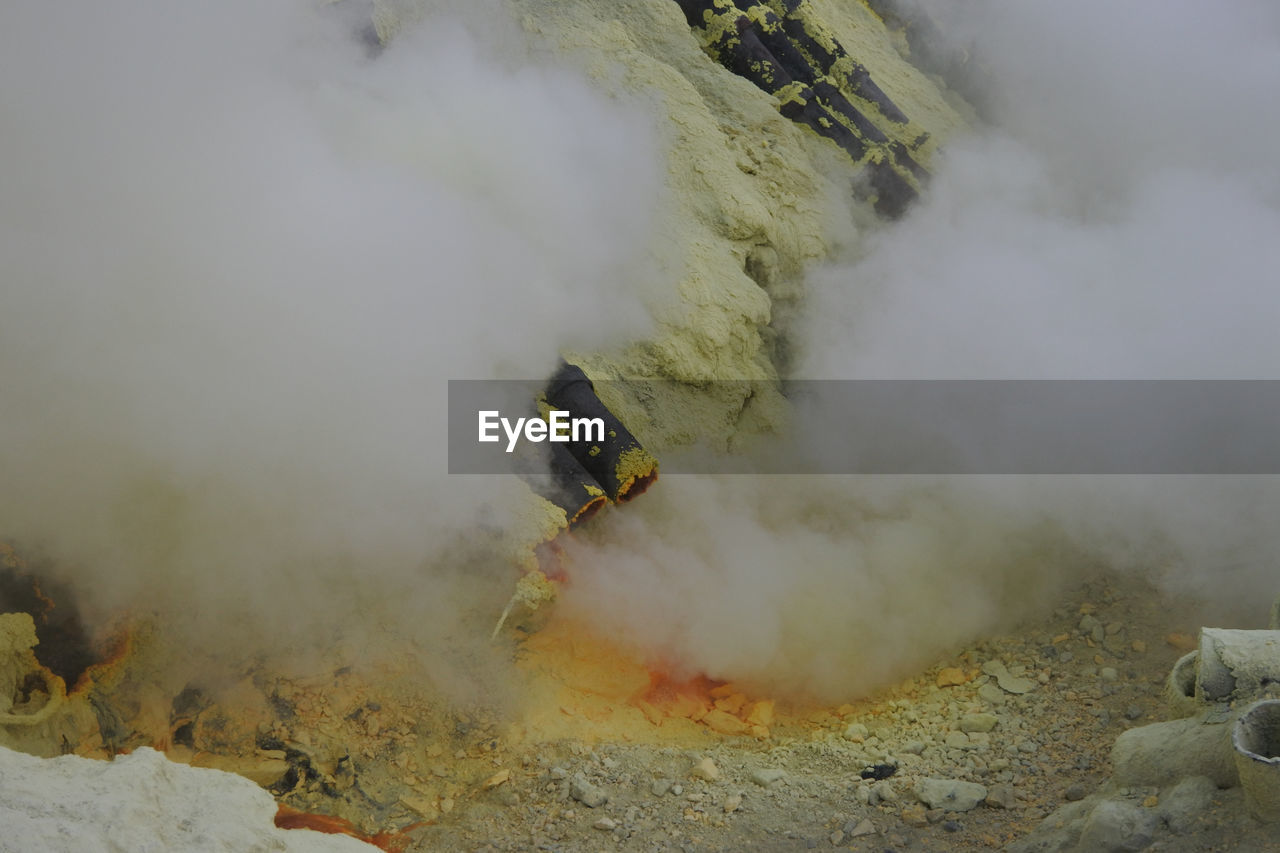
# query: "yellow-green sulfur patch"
[[633, 466]]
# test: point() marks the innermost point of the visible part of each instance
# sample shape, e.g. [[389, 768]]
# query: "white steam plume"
[[241, 258], [1119, 221]]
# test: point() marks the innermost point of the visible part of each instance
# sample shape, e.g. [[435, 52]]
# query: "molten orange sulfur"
[[664, 689]]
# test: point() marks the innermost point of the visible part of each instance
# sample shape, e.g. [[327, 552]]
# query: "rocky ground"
[[1006, 745], [974, 754]]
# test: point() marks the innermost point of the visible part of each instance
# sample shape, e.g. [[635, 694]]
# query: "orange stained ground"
[[585, 686], [391, 842]]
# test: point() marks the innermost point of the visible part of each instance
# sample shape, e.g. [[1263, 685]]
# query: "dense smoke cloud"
[[242, 256], [1113, 225], [1118, 221]]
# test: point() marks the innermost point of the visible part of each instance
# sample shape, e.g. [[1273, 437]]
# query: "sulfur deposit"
[[751, 200]]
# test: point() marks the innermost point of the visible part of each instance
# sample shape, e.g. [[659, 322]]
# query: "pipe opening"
[[1258, 732], [1255, 739], [637, 487], [1182, 680], [587, 512]]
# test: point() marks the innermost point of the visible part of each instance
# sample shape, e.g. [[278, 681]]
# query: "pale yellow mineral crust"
[[636, 469], [532, 590], [17, 663]]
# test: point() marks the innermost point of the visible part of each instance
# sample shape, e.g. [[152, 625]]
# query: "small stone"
[[677, 789], [1007, 680], [606, 823], [864, 827], [1116, 826], [723, 722], [1133, 712], [957, 740], [882, 792], [497, 779], [732, 802], [1075, 791], [687, 706], [1150, 802], [913, 747], [1139, 646], [991, 693], [766, 776], [660, 787], [951, 826], [876, 772], [705, 769], [1001, 797], [423, 806], [731, 704], [1108, 673], [1182, 642], [586, 793], [856, 732], [951, 677], [950, 794], [836, 837], [978, 722], [761, 714]]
